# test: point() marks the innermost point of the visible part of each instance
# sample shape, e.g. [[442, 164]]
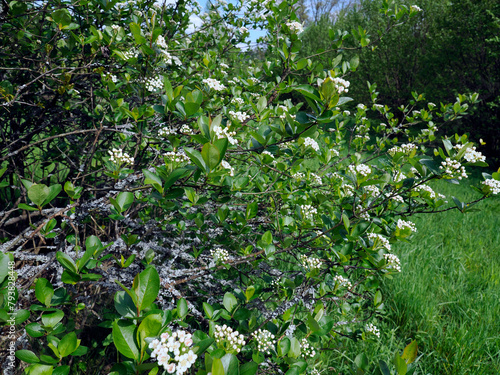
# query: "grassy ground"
[[447, 296]]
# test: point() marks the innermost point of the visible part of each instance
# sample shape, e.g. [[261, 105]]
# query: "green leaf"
[[24, 206], [124, 200], [284, 346], [27, 356], [68, 344], [249, 292], [61, 370], [410, 352], [93, 243], [384, 368], [52, 318], [261, 104], [294, 348], [230, 364], [153, 179], [217, 367], [249, 368], [400, 364], [362, 361], [54, 190], [62, 17], [146, 287], [149, 327], [182, 308], [67, 262], [309, 92], [124, 304], [136, 32], [38, 369], [202, 345], [196, 158], [209, 310], [252, 209], [4, 266], [44, 291], [34, 330], [229, 302], [175, 175], [124, 338], [38, 193], [211, 155], [267, 238]]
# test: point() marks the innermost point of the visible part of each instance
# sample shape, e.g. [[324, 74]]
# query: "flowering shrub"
[[240, 220]]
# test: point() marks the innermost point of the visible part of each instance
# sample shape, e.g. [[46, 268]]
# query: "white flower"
[[117, 156], [214, 84], [225, 133], [240, 116], [311, 142], [310, 262], [153, 84], [237, 101], [361, 169], [404, 148], [295, 27], [308, 211], [342, 281], [219, 255], [493, 186], [393, 262], [370, 328], [265, 152], [243, 29], [341, 85], [379, 240], [415, 8], [265, 340], [402, 224], [305, 349], [160, 41], [453, 168]]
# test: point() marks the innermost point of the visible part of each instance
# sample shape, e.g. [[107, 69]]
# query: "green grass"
[[447, 296]]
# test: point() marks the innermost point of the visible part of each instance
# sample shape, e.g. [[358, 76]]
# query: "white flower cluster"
[[295, 27], [115, 27], [243, 29], [426, 188], [265, 340], [372, 190], [240, 116], [471, 155], [341, 85], [416, 8], [308, 211], [225, 133], [342, 281], [223, 65], [379, 239], [170, 59], [153, 84], [226, 165], [214, 84], [186, 129], [117, 156], [362, 169], [393, 262], [311, 142], [228, 339], [306, 349], [173, 352], [406, 148], [310, 263], [453, 168], [370, 328], [299, 176], [361, 106], [398, 198], [253, 81], [378, 107], [316, 179], [130, 54], [402, 224], [166, 131], [160, 42], [177, 157], [237, 101], [219, 255], [113, 78], [494, 185]]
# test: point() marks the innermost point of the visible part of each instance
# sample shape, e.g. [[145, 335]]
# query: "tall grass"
[[447, 296]]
